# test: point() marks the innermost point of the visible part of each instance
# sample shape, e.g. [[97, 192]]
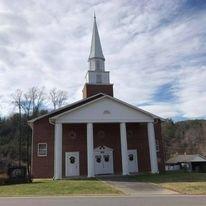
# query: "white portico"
[[104, 110]]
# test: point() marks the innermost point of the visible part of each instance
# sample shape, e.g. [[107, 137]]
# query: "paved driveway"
[[130, 187], [108, 201]]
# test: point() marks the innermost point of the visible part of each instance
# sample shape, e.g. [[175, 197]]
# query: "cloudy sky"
[[155, 50]]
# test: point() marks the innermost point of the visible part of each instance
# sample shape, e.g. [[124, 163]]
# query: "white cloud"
[[191, 92], [146, 44], [163, 110]]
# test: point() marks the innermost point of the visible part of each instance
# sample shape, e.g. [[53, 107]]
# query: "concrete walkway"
[[132, 188]]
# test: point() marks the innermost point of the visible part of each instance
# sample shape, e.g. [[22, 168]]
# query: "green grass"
[[189, 188], [58, 188], [182, 182], [172, 177]]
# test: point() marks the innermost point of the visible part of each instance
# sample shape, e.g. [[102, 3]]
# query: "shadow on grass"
[[18, 183], [44, 181]]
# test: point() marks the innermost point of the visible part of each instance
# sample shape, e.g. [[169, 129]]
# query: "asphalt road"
[[107, 201]]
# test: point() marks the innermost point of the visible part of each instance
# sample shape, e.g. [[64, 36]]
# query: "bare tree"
[[17, 98], [27, 104], [57, 97], [38, 97], [17, 101], [31, 101]]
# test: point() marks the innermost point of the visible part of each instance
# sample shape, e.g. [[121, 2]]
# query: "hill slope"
[[185, 136]]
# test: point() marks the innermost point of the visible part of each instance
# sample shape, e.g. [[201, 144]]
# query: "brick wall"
[[93, 89], [137, 139], [43, 132], [77, 144], [112, 140]]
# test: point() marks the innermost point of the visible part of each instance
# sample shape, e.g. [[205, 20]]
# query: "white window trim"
[[157, 145], [40, 155]]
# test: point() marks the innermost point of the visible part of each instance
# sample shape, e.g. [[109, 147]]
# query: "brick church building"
[[98, 135]]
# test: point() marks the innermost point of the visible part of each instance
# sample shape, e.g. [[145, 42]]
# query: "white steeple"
[[96, 73], [96, 48], [96, 57]]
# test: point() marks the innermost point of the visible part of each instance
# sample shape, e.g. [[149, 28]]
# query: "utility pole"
[[20, 133], [27, 150]]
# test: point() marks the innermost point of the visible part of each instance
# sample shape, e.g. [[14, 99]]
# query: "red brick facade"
[[111, 139], [91, 89], [43, 132]]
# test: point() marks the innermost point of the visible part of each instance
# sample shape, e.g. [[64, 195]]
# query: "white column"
[[90, 150], [58, 151], [123, 137], [152, 147]]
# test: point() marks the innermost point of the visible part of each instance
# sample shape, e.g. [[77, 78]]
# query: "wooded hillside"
[[15, 133], [184, 136]]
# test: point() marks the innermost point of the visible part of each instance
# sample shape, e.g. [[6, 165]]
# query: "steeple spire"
[[96, 48], [97, 79]]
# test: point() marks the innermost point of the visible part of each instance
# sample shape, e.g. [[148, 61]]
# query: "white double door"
[[132, 161], [72, 164], [103, 160]]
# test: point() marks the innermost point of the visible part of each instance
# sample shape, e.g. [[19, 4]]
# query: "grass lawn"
[[61, 187], [182, 182]]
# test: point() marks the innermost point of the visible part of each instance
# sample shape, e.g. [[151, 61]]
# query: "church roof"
[[84, 102], [186, 158], [96, 48], [111, 98], [67, 107]]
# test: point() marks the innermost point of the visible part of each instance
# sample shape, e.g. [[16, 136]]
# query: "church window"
[[99, 78], [106, 112], [42, 149]]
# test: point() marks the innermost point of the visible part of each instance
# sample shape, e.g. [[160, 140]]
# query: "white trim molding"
[[124, 152], [150, 116], [39, 150], [58, 151], [95, 113], [90, 150]]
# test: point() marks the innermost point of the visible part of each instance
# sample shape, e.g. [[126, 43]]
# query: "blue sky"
[[155, 50]]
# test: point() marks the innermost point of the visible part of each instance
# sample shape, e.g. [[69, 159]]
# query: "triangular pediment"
[[105, 109]]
